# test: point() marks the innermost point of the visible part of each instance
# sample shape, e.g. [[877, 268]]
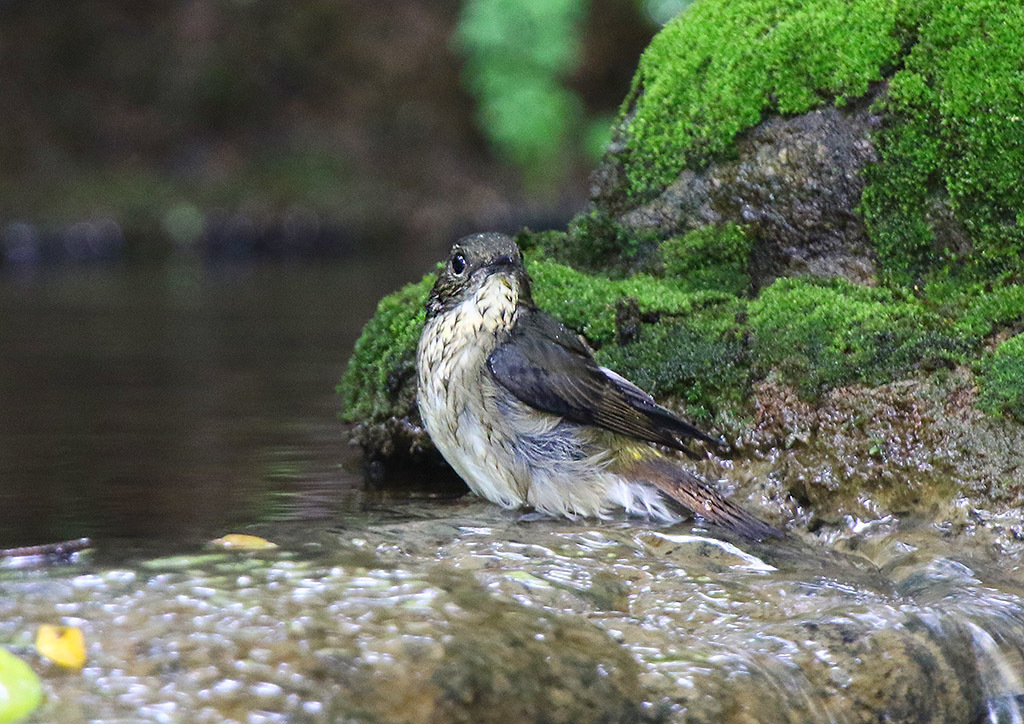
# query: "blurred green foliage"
[[518, 53], [519, 56], [147, 113]]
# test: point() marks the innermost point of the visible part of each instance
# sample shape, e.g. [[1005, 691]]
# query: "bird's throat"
[[490, 311]]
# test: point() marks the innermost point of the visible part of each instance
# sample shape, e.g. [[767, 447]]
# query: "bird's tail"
[[697, 496]]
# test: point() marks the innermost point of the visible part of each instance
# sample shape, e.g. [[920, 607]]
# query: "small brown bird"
[[515, 402]]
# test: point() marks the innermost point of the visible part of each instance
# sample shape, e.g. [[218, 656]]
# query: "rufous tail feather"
[[697, 496]]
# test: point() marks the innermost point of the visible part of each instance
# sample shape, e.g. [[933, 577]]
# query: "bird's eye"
[[458, 263]]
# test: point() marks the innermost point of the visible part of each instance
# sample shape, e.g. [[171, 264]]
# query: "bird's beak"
[[506, 269], [502, 263]]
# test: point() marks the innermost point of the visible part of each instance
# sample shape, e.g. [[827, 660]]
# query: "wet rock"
[[794, 183], [466, 614], [507, 664], [332, 640], [918, 447]]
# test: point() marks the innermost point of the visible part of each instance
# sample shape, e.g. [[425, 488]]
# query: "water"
[[453, 612], [157, 409], [162, 406]]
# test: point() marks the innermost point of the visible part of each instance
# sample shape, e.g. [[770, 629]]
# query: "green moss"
[[710, 257], [544, 244], [827, 334], [952, 147], [722, 64], [588, 303], [595, 242], [598, 242], [946, 192], [702, 362], [990, 311], [1002, 379], [376, 383]]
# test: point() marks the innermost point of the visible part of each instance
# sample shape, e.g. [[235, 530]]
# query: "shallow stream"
[[154, 411]]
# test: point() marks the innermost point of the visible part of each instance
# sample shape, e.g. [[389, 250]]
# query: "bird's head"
[[477, 262]]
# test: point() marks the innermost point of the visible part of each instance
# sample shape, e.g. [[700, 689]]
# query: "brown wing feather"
[[546, 366]]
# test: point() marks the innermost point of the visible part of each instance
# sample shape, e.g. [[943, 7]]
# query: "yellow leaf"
[[242, 542], [63, 645]]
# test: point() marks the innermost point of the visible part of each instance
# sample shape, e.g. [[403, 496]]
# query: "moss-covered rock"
[[384, 357], [588, 302], [378, 388], [823, 335], [985, 312], [710, 257], [774, 114], [947, 192], [722, 65], [808, 222], [702, 362]]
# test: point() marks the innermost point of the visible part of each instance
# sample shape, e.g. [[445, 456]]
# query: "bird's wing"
[[545, 365]]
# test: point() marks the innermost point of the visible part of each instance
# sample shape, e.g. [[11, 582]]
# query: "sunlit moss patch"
[[1002, 379]]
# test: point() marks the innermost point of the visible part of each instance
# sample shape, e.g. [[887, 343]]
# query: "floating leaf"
[[63, 645], [20, 689], [242, 542]]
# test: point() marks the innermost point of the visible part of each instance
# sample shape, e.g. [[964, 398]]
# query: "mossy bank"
[[808, 209]]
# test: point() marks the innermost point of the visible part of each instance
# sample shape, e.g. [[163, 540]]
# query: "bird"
[[515, 402]]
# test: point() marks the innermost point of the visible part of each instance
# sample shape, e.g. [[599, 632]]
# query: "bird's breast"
[[457, 395], [455, 391]]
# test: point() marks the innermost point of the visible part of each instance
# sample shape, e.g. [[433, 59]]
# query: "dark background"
[[201, 203], [309, 128]]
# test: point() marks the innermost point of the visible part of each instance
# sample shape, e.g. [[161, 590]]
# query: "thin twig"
[[57, 552]]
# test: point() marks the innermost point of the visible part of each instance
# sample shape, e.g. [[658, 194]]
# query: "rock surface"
[[794, 184]]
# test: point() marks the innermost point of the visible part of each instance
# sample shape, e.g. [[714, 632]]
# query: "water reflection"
[[165, 404]]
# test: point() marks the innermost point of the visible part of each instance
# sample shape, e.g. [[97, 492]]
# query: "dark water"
[[167, 405]]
